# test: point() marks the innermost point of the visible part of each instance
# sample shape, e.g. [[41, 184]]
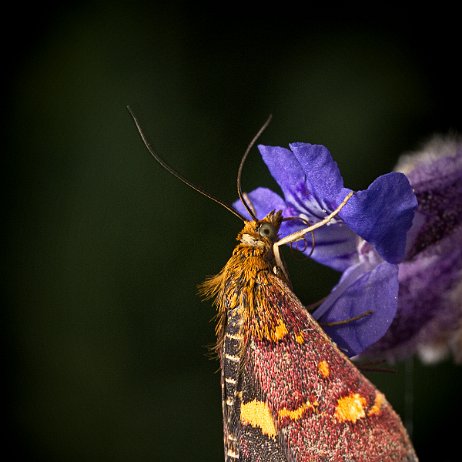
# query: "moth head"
[[261, 233]]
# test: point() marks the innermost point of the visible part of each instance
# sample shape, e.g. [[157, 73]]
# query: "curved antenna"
[[173, 172], [242, 197]]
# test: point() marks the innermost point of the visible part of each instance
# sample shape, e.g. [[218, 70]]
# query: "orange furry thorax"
[[238, 284]]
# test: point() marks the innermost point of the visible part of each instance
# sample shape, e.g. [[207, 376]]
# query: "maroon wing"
[[302, 400]]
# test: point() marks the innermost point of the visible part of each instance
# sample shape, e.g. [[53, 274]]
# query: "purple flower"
[[429, 316], [365, 241]]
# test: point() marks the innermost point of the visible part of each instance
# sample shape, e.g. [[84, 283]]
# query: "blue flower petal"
[[382, 214], [263, 201], [284, 167], [335, 244], [322, 175], [360, 290]]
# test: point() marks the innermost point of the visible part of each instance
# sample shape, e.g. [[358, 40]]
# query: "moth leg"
[[348, 320], [312, 306], [301, 233]]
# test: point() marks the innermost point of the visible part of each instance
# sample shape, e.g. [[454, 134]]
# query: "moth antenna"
[[242, 197], [173, 172], [249, 202]]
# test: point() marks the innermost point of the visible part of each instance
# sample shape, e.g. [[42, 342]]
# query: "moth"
[[288, 393]]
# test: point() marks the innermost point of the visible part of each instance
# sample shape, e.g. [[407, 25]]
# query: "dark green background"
[[104, 336]]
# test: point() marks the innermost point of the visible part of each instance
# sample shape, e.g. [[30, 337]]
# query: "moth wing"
[[304, 400]]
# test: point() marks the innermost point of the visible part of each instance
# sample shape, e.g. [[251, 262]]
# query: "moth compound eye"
[[266, 230]]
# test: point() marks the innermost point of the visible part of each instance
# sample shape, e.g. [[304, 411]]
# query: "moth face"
[[261, 233]]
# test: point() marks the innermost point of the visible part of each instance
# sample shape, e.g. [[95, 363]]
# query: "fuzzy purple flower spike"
[[429, 315]]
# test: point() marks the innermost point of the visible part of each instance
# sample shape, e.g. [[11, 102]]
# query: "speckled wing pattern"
[[298, 398]]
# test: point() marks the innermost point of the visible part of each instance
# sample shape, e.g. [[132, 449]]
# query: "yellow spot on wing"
[[296, 413], [258, 414], [350, 408], [376, 408], [299, 338], [280, 331], [323, 368]]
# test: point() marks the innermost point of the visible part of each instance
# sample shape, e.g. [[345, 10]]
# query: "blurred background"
[[105, 338]]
